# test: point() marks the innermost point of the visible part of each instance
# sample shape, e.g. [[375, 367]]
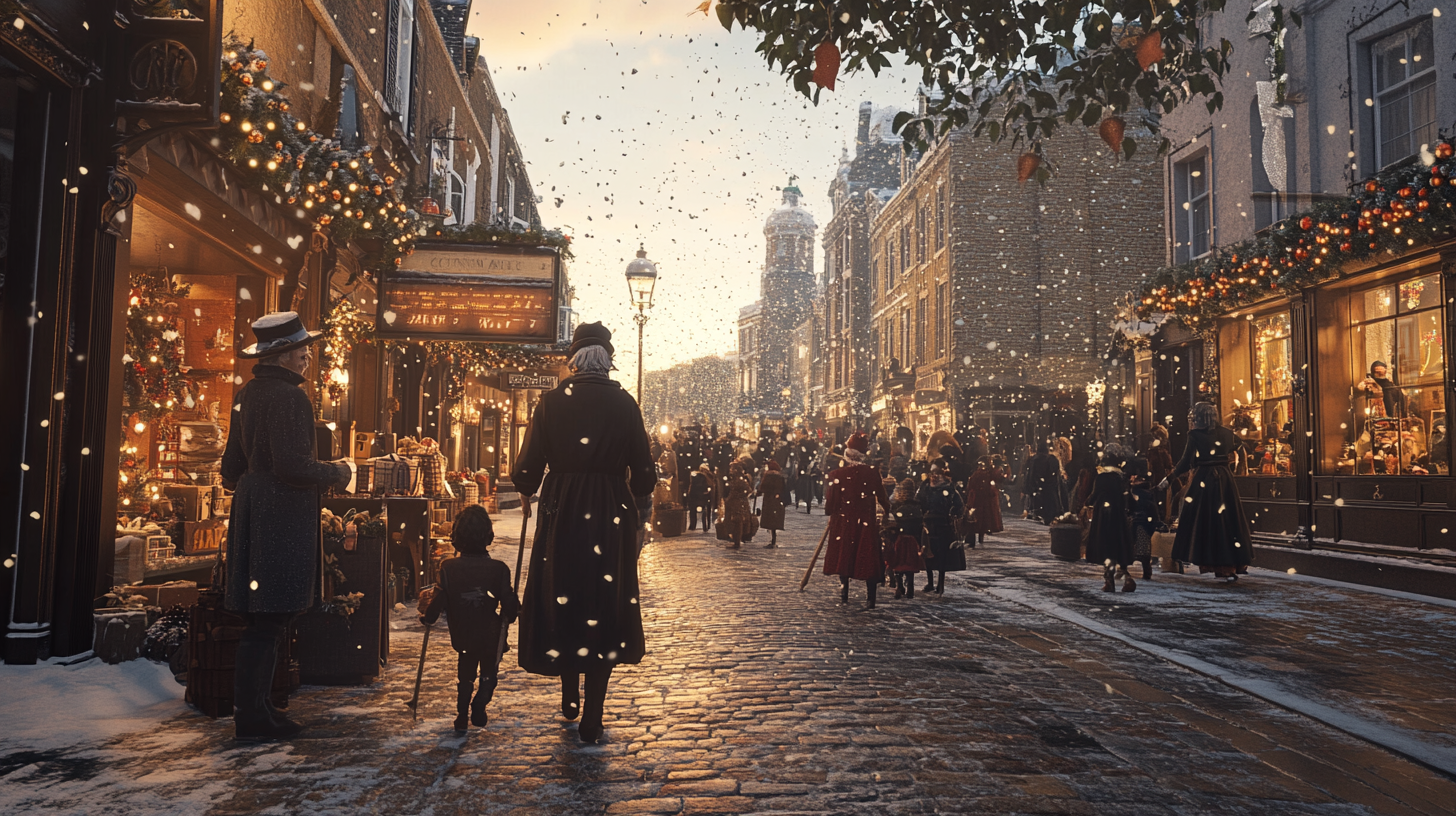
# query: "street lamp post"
[[641, 280]]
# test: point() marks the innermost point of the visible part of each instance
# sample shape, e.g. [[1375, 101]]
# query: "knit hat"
[[590, 334], [858, 442]]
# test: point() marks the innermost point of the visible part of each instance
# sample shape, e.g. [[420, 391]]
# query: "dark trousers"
[[696, 505], [596, 693], [471, 664], [256, 661]]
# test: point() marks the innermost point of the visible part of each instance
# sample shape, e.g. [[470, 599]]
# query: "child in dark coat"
[[906, 528], [475, 594]]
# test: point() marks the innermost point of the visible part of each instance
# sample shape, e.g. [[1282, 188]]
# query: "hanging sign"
[[525, 380], [449, 291]]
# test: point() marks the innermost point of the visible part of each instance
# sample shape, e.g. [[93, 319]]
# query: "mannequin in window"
[[1384, 396]]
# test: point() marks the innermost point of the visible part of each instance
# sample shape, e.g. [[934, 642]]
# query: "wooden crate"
[[203, 537], [212, 644]]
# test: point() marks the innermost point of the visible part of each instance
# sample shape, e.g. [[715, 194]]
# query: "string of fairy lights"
[[1392, 212]]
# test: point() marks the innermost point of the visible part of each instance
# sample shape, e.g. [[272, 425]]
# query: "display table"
[[337, 649]]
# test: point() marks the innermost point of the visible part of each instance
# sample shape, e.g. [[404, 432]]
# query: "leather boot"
[[591, 728], [570, 696], [940, 583], [1108, 579], [844, 590], [870, 589], [482, 699], [252, 681], [462, 706], [909, 585]]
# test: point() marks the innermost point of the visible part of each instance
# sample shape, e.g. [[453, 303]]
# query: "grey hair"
[[592, 360], [1204, 416]]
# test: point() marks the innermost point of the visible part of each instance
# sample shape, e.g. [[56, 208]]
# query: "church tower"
[[787, 292]]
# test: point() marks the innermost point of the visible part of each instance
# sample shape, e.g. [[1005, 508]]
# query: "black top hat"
[[278, 332], [590, 334]]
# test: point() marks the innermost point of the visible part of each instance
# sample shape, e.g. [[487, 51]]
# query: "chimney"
[[866, 110]]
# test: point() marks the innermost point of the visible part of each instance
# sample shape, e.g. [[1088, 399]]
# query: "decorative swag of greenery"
[[332, 187], [1401, 208]]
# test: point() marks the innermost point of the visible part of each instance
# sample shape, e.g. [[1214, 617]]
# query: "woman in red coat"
[[983, 494], [854, 530]]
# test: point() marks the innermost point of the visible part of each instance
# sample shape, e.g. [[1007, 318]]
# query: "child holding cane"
[[476, 596]]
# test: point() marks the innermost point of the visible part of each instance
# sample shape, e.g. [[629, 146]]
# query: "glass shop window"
[[1257, 377], [1395, 418]]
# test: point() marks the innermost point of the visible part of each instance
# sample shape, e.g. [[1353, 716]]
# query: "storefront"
[[1339, 397]]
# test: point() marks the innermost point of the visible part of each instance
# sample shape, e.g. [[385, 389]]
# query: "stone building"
[[785, 297], [991, 300], [845, 313]]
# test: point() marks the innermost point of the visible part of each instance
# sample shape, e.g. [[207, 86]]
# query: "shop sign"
[[524, 380], [924, 398], [880, 404], [469, 292]]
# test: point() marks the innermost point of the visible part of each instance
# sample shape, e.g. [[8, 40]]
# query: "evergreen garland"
[[343, 190], [1397, 210]]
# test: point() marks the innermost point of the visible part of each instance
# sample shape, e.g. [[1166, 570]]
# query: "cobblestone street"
[[755, 698]]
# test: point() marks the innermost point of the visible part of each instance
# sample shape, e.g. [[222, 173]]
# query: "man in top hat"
[[854, 531], [273, 535]]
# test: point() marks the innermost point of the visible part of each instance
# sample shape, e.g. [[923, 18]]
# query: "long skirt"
[[1213, 531], [940, 552]]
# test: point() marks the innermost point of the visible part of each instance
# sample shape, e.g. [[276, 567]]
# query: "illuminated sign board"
[[447, 291]]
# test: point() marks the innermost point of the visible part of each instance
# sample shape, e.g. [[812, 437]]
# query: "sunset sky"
[[683, 156]]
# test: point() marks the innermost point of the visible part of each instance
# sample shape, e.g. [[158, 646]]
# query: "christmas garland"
[[1398, 209], [344, 328], [343, 190]]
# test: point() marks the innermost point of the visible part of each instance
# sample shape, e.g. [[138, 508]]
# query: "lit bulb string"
[[347, 327], [334, 187], [1391, 213]]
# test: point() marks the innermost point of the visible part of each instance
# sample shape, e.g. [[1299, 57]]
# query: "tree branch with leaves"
[[1008, 69]]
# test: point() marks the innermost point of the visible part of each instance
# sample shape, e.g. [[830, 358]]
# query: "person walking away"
[[984, 497], [1145, 513], [907, 523], [899, 463], [1044, 478], [273, 536], [1109, 533], [737, 513], [476, 596], [700, 498], [853, 551], [806, 450], [1213, 531], [771, 516], [941, 505], [586, 453], [1160, 464]]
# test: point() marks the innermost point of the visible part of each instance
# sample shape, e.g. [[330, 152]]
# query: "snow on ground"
[[49, 706]]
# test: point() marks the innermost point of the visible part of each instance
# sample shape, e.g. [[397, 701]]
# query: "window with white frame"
[[1405, 93], [1192, 209], [399, 59]]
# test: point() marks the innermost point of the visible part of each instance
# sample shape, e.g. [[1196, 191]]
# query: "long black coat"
[[1110, 535], [1213, 531], [1044, 485], [581, 608], [273, 536]]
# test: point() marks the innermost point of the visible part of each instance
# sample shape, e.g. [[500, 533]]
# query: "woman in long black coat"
[[1044, 485], [273, 535], [1213, 531], [581, 612], [942, 505], [1110, 535]]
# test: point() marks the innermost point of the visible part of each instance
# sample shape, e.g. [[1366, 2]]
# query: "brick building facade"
[[845, 312], [991, 299]]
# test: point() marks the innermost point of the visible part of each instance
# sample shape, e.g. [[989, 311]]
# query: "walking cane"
[[815, 559], [414, 702], [500, 649]]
